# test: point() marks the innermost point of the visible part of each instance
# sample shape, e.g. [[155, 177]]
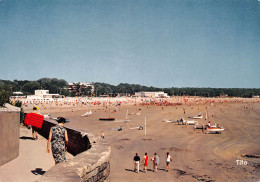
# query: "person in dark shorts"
[[136, 163], [168, 161]]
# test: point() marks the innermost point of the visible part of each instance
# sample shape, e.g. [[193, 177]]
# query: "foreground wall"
[[9, 134], [90, 163]]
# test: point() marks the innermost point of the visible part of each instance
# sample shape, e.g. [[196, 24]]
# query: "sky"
[[161, 43]]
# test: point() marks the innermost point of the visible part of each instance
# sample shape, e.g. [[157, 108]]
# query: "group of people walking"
[[155, 160]]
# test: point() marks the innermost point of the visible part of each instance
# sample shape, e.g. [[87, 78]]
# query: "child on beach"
[[155, 160], [145, 159], [102, 135], [168, 161]]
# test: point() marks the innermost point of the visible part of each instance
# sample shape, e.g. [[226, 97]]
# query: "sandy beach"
[[196, 156]]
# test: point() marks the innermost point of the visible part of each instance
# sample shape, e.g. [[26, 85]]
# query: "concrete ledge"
[[93, 164], [9, 108], [9, 134]]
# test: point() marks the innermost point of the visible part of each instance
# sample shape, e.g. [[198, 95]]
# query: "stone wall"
[[78, 140], [9, 134], [91, 160]]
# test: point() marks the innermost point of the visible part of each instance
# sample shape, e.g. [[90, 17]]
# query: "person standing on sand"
[[102, 135], [145, 159], [58, 138], [155, 160], [168, 161], [136, 163], [209, 124]]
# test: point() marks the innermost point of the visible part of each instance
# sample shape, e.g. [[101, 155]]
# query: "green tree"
[[4, 97], [19, 104], [30, 87], [88, 91]]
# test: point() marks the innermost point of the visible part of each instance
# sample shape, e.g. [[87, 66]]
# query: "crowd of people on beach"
[[155, 160]]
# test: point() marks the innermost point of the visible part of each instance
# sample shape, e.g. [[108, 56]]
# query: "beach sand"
[[196, 156]]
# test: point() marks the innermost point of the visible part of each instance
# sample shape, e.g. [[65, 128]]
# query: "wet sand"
[[196, 156]]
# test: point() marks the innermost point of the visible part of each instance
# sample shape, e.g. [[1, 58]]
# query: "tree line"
[[54, 85], [104, 88], [60, 86]]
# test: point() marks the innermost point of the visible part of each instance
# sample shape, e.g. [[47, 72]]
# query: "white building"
[[151, 94], [39, 94]]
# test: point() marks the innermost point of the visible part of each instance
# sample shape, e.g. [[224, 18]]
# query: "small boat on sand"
[[107, 119], [218, 129], [87, 113], [197, 117], [186, 122]]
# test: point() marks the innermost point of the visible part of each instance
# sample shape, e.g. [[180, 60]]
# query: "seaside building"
[[79, 87], [116, 95], [17, 95], [44, 94], [151, 94], [40, 96]]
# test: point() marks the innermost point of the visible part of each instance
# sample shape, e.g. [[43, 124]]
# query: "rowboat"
[[197, 117], [107, 119], [190, 122], [214, 129], [186, 122]]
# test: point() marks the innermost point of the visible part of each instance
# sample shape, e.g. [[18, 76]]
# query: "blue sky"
[[167, 43]]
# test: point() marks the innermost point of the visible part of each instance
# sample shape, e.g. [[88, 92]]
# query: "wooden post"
[[145, 125]]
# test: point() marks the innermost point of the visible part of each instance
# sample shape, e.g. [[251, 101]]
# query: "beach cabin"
[[151, 94]]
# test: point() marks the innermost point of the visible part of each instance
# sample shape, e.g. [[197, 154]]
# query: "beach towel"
[[35, 120]]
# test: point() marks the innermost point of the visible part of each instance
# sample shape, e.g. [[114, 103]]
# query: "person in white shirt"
[[168, 161]]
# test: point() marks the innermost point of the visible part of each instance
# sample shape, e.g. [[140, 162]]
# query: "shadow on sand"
[[161, 169], [129, 170], [133, 170], [26, 138], [38, 171]]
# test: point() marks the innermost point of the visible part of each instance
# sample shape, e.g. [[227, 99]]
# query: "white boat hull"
[[214, 130], [196, 117], [87, 114], [190, 122]]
